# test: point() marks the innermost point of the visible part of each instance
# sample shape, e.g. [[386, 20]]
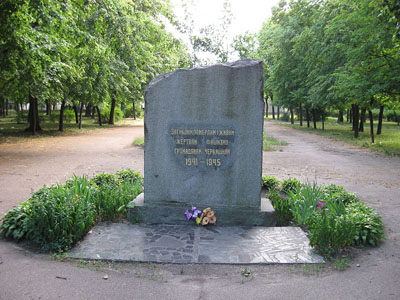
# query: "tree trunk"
[[340, 116], [273, 112], [61, 120], [323, 120], [88, 110], [76, 114], [308, 117], [301, 114], [362, 120], [351, 114], [266, 108], [33, 117], [291, 116], [278, 112], [80, 116], [371, 125], [314, 118], [348, 116], [2, 107], [134, 109], [7, 107], [48, 108], [356, 117], [371, 120], [380, 120], [111, 119], [98, 115]]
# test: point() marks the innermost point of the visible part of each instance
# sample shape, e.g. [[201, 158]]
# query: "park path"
[[374, 273]]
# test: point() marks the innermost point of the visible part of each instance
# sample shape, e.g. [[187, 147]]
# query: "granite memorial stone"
[[203, 145]]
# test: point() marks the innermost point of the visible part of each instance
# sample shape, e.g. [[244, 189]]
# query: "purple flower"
[[196, 213], [188, 215], [320, 204]]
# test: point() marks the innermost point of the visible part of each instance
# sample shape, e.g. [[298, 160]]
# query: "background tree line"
[[85, 54], [326, 55]]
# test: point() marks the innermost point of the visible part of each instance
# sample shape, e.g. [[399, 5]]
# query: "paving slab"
[[188, 244]]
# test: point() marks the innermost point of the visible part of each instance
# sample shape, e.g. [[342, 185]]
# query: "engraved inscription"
[[205, 147]]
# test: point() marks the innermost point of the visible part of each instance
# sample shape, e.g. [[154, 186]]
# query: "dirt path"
[[373, 273]]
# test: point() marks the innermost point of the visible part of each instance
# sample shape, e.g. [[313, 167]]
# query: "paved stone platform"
[[183, 244]]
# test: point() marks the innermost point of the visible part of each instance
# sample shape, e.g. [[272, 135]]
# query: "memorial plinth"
[[203, 145]]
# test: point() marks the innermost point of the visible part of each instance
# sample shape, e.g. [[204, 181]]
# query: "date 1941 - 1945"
[[210, 162]]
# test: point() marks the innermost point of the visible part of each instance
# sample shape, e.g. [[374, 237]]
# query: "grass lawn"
[[388, 142], [270, 141], [13, 132]]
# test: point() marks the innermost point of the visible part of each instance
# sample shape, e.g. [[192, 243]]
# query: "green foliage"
[[270, 182], [329, 233], [15, 221], [304, 200], [368, 223], [270, 141], [339, 194], [61, 215], [285, 117], [290, 185], [105, 114], [58, 216], [129, 176], [282, 207]]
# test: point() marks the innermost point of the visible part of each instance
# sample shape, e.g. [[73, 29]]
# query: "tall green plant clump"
[[334, 218], [58, 216]]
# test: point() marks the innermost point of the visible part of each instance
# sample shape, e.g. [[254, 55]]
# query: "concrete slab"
[[186, 244]]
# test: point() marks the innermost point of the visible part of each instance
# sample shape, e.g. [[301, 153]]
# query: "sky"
[[248, 15]]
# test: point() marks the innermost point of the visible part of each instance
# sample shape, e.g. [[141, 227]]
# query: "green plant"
[[61, 215], [341, 263], [269, 141], [281, 206], [129, 176], [105, 114], [290, 185], [15, 221], [270, 183], [304, 201], [285, 117], [58, 216], [329, 233], [338, 193], [69, 115], [368, 223], [138, 142], [102, 179]]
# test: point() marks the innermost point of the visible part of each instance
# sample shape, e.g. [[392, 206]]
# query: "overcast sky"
[[248, 15]]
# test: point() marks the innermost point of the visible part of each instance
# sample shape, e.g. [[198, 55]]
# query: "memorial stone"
[[203, 145]]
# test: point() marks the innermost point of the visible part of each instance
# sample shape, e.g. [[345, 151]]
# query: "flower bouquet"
[[205, 217]]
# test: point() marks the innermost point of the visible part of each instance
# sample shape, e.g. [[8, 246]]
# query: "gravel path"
[[374, 273]]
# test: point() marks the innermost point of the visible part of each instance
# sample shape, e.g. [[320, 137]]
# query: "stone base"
[[174, 214]]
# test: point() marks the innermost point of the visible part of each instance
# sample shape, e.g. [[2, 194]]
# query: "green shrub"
[[106, 179], [129, 176], [338, 193], [368, 223], [105, 114], [392, 115], [285, 117], [304, 201], [270, 183], [57, 217], [61, 215], [282, 208], [329, 233], [15, 221], [290, 185], [128, 110]]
